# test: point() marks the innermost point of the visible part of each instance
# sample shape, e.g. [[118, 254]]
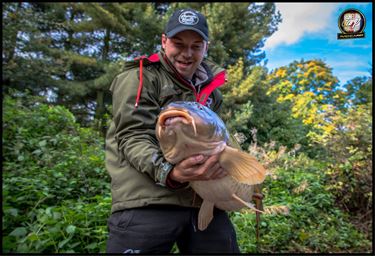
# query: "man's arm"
[[135, 127]]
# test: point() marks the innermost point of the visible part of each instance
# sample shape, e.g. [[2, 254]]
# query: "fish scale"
[[220, 191], [199, 130]]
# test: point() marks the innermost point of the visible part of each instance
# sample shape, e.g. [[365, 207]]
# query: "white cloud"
[[299, 18]]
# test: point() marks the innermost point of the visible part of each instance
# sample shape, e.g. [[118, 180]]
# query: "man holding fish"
[[153, 204]]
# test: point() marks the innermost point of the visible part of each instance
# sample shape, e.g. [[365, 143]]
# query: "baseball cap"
[[187, 19]]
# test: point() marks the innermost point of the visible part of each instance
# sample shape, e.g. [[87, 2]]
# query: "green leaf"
[[37, 152], [23, 248], [69, 251], [33, 237], [92, 246], [303, 236], [71, 229], [19, 232], [62, 243], [42, 143], [13, 212], [54, 229], [75, 244], [56, 215]]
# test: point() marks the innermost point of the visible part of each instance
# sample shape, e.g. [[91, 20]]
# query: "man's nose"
[[187, 52]]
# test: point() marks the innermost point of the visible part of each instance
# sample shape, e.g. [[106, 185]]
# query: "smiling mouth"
[[184, 63]]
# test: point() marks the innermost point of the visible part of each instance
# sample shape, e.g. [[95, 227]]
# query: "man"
[[152, 205]]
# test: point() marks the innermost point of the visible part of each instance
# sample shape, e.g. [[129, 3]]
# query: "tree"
[[72, 51], [115, 30], [349, 154], [247, 107], [311, 89], [359, 90], [24, 62]]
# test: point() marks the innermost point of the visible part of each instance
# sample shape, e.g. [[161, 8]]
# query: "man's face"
[[185, 51]]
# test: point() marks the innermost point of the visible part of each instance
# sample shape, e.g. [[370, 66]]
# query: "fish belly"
[[220, 191]]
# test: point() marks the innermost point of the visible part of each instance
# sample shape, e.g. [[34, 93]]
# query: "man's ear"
[[206, 50], [163, 40]]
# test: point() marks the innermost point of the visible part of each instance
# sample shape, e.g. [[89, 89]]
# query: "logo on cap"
[[188, 18]]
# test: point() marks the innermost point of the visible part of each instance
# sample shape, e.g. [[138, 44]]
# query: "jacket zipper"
[[196, 93], [181, 79]]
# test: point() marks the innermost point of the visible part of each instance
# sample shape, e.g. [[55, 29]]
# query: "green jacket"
[[134, 160]]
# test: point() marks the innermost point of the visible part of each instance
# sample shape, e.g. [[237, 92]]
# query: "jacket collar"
[[211, 77]]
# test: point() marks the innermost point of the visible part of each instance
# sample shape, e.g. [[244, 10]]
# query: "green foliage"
[[309, 86], [237, 94], [247, 106], [302, 103], [349, 145], [359, 90], [255, 22], [74, 226], [64, 50], [55, 188], [56, 196], [300, 214], [22, 35]]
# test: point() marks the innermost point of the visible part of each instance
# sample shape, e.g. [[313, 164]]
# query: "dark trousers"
[[154, 229]]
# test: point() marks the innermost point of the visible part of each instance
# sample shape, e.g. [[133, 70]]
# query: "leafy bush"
[[56, 196], [52, 170], [300, 212], [349, 146], [73, 226]]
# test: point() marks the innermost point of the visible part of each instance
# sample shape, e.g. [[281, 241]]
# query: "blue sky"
[[309, 31]]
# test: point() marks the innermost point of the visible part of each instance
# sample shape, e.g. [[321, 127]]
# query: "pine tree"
[[72, 51]]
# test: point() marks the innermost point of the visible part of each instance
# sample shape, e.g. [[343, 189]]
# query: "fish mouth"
[[168, 116]]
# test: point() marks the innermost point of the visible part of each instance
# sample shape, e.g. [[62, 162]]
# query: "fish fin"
[[242, 166], [246, 204], [205, 214]]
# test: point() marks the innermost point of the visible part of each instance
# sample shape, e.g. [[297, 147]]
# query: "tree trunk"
[[100, 108]]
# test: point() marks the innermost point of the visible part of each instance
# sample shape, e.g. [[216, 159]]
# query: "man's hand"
[[198, 167]]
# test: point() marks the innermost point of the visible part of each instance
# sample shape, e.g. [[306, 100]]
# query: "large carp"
[[187, 128]]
